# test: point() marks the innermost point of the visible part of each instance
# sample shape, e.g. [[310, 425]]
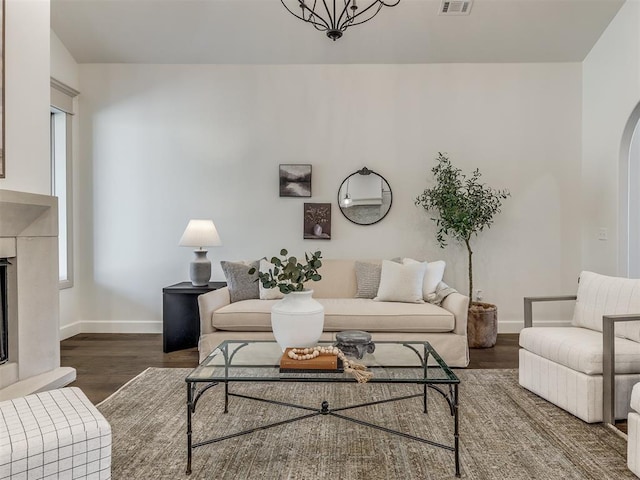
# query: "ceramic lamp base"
[[200, 269]]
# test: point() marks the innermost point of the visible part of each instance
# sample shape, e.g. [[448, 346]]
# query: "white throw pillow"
[[432, 275], [401, 283], [268, 293]]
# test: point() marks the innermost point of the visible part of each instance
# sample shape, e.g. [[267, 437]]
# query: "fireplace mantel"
[[29, 236], [28, 215]]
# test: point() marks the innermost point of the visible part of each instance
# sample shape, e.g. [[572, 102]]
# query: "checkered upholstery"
[[57, 434]]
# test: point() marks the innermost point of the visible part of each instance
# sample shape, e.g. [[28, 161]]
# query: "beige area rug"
[[505, 433]]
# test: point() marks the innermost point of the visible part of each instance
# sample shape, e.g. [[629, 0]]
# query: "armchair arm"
[[528, 305], [609, 364], [209, 303]]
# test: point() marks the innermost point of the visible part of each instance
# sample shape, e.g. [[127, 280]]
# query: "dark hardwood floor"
[[106, 361]]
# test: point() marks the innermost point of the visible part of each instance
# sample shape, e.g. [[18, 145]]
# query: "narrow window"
[[62, 110], [60, 187]]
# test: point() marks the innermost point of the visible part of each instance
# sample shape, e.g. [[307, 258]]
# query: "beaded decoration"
[[358, 370]]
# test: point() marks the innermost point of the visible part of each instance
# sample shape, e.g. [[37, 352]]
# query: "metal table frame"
[[450, 395]]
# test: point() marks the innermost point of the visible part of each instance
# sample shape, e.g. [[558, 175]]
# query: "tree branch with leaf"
[[289, 275], [464, 206]]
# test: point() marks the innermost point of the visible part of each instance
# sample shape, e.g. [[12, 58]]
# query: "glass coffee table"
[[259, 361]]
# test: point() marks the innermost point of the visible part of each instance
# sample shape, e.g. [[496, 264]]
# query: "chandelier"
[[335, 16]]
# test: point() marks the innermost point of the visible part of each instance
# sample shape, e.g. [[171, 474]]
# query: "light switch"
[[603, 234]]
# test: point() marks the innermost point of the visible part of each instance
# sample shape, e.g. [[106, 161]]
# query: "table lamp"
[[200, 233]]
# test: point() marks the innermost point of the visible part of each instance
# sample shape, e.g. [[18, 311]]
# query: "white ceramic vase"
[[297, 320]]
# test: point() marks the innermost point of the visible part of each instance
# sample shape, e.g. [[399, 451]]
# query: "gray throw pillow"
[[242, 286], [367, 279]]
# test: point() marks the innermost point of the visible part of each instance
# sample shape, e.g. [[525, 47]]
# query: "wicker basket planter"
[[482, 325]]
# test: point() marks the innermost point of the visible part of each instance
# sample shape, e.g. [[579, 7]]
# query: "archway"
[[629, 207]]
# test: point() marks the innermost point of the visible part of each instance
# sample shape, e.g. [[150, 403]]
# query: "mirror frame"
[[365, 171]]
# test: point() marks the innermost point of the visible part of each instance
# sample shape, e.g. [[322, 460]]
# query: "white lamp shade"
[[200, 233]]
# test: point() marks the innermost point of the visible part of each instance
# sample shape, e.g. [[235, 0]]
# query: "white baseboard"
[[120, 326], [110, 326], [68, 331]]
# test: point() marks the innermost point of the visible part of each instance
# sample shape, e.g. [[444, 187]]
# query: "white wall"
[[162, 144], [27, 96], [65, 69], [28, 170], [611, 84]]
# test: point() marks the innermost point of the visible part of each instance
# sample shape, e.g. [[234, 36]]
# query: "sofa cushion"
[[342, 314], [367, 278], [401, 283], [432, 275], [245, 316], [600, 295], [374, 316], [242, 286], [579, 349], [338, 280]]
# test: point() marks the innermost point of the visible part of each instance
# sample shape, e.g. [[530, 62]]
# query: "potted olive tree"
[[464, 207]]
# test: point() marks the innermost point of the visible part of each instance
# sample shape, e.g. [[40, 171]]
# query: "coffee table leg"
[[456, 433], [189, 411], [226, 397], [424, 398]]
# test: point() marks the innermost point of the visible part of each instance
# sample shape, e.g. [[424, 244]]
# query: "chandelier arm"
[[319, 27], [336, 23], [319, 23], [312, 14], [345, 11], [351, 23], [332, 18]]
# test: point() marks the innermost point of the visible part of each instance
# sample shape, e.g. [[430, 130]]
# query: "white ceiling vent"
[[455, 7]]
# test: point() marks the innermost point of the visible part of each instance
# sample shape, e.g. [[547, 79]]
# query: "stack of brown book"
[[320, 364]]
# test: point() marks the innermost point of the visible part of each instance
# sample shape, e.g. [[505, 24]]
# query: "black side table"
[[180, 315]]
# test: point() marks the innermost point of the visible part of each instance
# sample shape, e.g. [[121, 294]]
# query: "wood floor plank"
[[106, 361]]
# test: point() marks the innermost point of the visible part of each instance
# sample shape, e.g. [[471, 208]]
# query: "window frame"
[[62, 115]]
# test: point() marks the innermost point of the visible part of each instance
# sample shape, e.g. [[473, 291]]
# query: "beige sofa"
[[445, 326]]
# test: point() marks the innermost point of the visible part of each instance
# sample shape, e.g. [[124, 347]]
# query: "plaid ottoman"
[[57, 434]]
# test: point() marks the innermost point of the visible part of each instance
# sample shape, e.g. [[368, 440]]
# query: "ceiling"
[[263, 32]]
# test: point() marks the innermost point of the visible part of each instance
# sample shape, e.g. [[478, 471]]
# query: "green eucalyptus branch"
[[289, 275], [464, 206]]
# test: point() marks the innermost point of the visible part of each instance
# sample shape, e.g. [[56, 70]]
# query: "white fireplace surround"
[[29, 240]]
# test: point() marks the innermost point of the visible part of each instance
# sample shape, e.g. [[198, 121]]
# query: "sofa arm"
[[209, 303], [528, 307], [458, 304], [609, 363]]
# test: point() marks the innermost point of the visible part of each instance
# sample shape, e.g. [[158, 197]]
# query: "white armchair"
[[633, 430], [573, 367]]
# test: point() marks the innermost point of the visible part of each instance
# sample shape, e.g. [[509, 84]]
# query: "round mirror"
[[364, 197]]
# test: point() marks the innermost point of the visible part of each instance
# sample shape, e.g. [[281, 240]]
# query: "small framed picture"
[[295, 180], [317, 221]]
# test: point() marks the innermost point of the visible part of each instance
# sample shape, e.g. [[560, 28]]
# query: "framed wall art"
[[295, 180], [317, 221]]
